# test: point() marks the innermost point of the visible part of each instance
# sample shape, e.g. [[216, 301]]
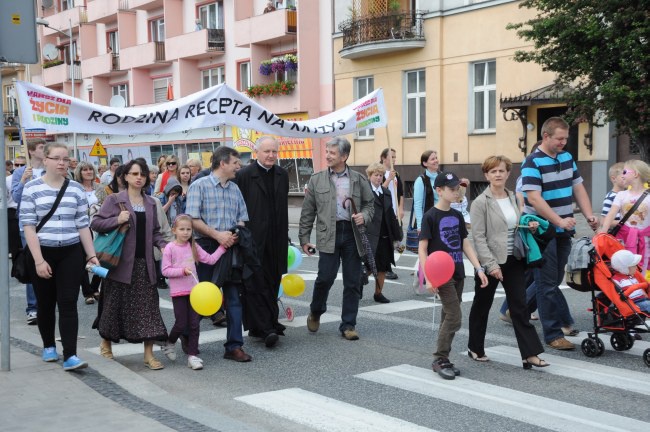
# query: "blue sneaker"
[[74, 362], [49, 354]]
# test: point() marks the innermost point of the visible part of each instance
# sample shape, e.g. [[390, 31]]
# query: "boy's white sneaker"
[[170, 350], [194, 363]]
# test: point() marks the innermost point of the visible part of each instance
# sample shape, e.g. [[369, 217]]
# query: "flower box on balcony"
[[52, 63], [272, 89]]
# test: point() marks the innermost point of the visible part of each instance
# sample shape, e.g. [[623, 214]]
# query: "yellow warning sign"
[[98, 149]]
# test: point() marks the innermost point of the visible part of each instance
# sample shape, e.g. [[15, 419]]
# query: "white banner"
[[41, 107]]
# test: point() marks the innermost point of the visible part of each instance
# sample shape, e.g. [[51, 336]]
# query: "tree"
[[600, 48]]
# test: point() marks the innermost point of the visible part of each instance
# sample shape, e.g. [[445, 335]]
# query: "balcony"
[[140, 4], [269, 28], [146, 55], [375, 35], [64, 19], [103, 65], [11, 120], [195, 45], [102, 11]]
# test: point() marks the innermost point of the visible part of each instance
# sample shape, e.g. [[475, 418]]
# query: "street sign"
[[98, 149]]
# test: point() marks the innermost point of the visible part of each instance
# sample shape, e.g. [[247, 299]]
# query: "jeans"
[[345, 251], [553, 308], [29, 288]]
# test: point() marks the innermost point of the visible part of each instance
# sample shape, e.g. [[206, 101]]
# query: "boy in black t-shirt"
[[443, 229]]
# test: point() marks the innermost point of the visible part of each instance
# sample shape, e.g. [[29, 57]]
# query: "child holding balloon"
[[443, 240], [179, 266]]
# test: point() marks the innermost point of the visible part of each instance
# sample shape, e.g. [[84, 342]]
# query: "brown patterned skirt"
[[131, 311]]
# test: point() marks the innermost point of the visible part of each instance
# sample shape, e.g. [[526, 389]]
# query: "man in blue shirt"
[[217, 205], [550, 181]]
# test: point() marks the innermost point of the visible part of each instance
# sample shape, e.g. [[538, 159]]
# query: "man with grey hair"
[[337, 236], [265, 188]]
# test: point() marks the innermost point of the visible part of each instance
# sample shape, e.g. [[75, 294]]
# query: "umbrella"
[[369, 261]]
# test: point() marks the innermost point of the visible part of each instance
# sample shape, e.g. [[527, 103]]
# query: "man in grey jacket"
[[337, 236]]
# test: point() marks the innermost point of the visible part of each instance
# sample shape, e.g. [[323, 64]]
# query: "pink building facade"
[[144, 52]]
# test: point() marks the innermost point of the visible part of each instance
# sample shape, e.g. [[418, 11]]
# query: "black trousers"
[[515, 287], [60, 291]]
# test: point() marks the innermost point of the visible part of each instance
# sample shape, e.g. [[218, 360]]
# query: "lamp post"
[[45, 23]]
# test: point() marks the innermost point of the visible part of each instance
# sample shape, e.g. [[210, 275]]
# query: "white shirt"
[[10, 201]]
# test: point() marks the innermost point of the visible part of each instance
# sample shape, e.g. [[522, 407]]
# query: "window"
[[66, 52], [211, 16], [157, 29], [121, 90], [66, 4], [113, 42], [416, 102], [213, 77], [10, 100], [244, 76], [363, 87], [160, 89], [483, 98]]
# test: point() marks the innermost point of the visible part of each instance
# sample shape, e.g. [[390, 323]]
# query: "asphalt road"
[[384, 381]]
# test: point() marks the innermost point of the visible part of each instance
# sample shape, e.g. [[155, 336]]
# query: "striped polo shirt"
[[71, 215], [554, 178]]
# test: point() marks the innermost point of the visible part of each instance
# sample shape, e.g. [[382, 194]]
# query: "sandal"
[[568, 331], [535, 361], [476, 357], [105, 350], [153, 364]]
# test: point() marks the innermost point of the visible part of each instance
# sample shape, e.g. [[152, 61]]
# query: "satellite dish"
[[50, 52], [117, 101], [47, 4]]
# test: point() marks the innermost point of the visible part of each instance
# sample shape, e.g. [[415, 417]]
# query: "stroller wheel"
[[601, 346], [589, 347], [646, 357], [620, 341]]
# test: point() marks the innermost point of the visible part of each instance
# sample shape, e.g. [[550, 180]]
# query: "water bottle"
[[102, 272]]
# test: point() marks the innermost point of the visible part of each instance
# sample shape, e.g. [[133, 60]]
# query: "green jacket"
[[320, 206], [534, 253]]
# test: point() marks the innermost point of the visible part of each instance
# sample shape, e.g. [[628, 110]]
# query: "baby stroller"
[[612, 311]]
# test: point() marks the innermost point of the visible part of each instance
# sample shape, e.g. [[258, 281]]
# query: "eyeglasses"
[[137, 174], [17, 165], [171, 163], [60, 160], [558, 166], [628, 171]]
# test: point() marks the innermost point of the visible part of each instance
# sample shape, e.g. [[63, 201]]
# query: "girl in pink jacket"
[[179, 266]]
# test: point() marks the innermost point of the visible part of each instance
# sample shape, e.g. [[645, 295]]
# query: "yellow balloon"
[[206, 298], [293, 285]]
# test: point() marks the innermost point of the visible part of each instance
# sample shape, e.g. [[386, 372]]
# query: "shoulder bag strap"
[[630, 212], [49, 214]]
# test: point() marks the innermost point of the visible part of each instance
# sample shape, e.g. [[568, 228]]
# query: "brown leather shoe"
[[313, 322], [350, 334], [237, 355], [561, 344]]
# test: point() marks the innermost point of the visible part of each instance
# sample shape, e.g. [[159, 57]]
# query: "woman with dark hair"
[[130, 297], [424, 193]]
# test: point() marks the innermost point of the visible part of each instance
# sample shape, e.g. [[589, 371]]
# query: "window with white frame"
[[244, 76], [121, 90], [416, 102], [483, 100], [67, 4], [157, 29], [213, 77], [362, 87], [160, 86], [10, 100], [211, 15]]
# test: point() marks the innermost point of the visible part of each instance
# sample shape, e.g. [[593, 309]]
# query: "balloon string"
[[195, 278]]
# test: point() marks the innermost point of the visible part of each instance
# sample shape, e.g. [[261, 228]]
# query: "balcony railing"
[[160, 51], [216, 40], [74, 71], [123, 5], [404, 26], [115, 61]]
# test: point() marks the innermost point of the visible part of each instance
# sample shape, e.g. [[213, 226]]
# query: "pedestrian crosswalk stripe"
[[502, 401], [637, 349], [577, 369], [326, 414], [301, 321], [400, 306]]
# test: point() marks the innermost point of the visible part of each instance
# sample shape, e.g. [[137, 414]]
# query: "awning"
[[550, 94]]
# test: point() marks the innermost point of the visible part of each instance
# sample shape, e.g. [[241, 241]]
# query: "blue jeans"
[[345, 251], [29, 289], [553, 308]]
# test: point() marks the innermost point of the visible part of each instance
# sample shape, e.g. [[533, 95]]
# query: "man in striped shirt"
[[550, 181]]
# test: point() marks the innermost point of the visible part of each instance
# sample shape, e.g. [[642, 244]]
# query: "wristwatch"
[[479, 269]]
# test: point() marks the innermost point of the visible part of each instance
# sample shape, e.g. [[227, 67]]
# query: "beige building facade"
[[451, 85]]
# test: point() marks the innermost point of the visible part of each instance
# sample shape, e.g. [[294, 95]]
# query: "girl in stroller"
[[624, 263]]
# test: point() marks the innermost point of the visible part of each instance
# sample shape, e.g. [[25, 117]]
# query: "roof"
[[552, 93]]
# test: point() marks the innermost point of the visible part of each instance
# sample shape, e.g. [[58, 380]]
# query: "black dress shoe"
[[379, 298], [390, 275], [270, 340]]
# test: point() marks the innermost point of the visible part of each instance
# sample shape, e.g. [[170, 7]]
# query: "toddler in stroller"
[[614, 271]]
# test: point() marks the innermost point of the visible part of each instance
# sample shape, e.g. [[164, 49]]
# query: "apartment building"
[[451, 84], [10, 118], [144, 52]]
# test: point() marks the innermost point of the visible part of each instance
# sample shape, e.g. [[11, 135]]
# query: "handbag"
[[108, 245], [23, 259], [615, 229], [412, 235]]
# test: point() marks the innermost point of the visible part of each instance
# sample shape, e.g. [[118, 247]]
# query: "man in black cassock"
[[265, 187]]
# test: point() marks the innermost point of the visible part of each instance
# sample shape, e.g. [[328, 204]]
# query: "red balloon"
[[439, 268]]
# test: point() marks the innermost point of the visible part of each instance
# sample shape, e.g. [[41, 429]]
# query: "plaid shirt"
[[219, 206]]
